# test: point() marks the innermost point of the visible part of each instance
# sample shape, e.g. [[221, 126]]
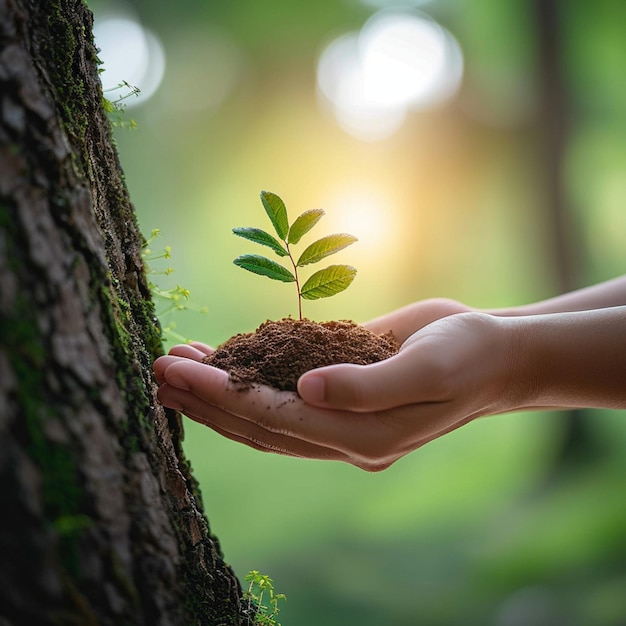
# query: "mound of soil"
[[279, 352]]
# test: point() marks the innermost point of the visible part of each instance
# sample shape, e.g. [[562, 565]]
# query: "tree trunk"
[[101, 519], [578, 443]]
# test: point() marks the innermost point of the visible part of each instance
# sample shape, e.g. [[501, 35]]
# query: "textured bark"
[[101, 520]]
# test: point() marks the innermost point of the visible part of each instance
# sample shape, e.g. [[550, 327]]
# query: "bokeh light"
[[399, 61], [130, 53]]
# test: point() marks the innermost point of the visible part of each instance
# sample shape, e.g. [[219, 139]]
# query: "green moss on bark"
[[62, 48]]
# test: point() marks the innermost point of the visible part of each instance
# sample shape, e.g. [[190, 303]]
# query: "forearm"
[[574, 359], [610, 293]]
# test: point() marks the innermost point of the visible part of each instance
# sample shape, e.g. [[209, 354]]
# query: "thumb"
[[361, 388]]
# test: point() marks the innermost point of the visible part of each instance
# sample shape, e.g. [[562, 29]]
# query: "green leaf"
[[303, 224], [265, 267], [328, 282], [325, 247], [260, 236], [277, 212]]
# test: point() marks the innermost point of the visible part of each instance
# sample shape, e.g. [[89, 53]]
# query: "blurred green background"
[[496, 180]]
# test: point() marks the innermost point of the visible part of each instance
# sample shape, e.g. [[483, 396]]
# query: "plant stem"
[[295, 273]]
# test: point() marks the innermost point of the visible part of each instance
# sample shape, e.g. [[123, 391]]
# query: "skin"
[[455, 364]]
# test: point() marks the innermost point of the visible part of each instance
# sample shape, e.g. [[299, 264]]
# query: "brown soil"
[[279, 352]]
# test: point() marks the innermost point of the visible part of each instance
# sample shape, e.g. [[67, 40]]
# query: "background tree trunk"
[[101, 520], [578, 444]]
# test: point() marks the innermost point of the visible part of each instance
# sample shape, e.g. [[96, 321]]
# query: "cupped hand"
[[407, 320], [446, 374]]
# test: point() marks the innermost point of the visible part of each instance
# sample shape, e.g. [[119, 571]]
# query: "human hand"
[[409, 319], [446, 374]]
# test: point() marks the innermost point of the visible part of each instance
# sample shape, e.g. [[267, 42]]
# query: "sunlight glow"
[[361, 211], [342, 81], [129, 53], [399, 61]]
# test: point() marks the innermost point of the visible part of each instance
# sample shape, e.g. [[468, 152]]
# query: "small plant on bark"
[[323, 283], [262, 600], [172, 299], [116, 108]]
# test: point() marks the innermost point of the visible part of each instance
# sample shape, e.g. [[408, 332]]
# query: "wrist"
[[520, 368]]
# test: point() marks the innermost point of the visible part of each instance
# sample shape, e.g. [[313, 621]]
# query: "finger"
[[195, 352], [188, 351], [202, 347], [162, 363], [285, 446], [394, 382], [188, 374], [241, 440], [243, 431]]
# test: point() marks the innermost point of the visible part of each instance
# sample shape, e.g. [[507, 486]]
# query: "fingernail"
[[312, 388]]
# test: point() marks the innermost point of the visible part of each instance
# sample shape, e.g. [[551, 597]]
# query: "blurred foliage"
[[476, 528]]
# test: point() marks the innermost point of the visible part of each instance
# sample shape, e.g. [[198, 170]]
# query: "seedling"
[[172, 299], [260, 590], [116, 108], [323, 283]]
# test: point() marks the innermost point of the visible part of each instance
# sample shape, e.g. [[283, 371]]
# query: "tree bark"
[[101, 519]]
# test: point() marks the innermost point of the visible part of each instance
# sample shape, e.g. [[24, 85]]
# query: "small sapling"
[[262, 614], [321, 284]]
